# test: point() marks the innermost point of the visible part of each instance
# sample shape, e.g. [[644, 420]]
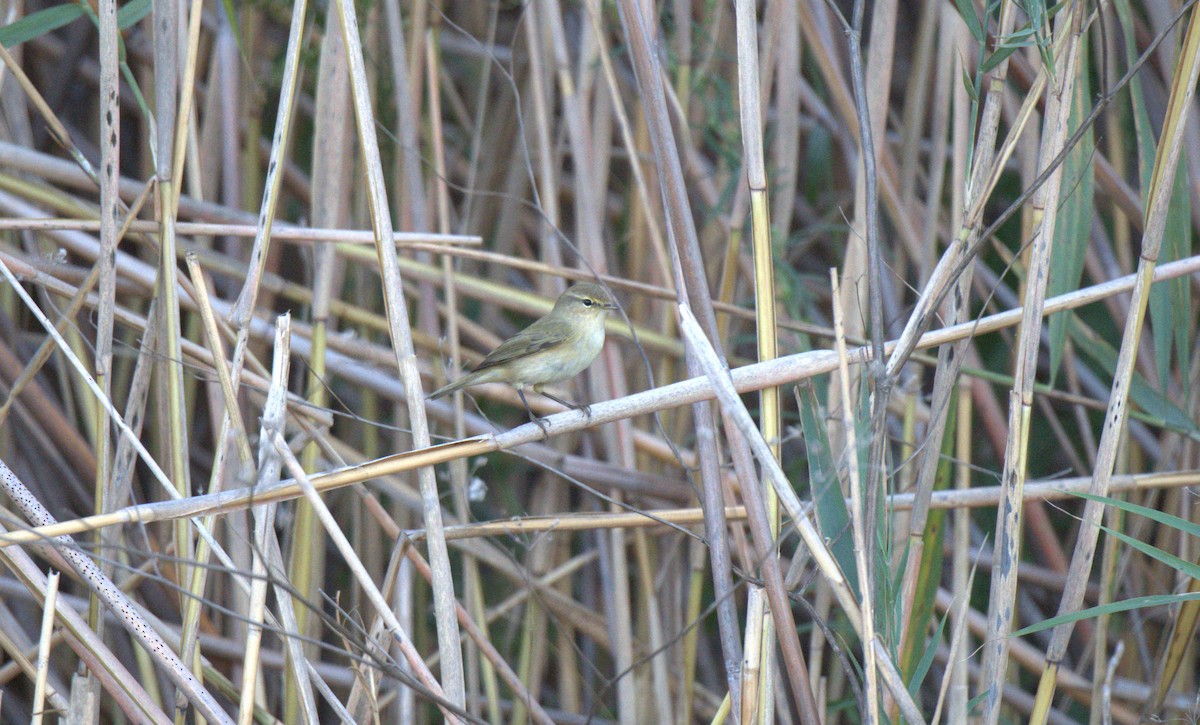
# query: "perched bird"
[[552, 349]]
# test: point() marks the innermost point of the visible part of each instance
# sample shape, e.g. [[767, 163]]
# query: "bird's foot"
[[543, 425], [585, 409]]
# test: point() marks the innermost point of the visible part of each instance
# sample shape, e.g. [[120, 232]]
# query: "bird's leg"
[[540, 423], [583, 407]]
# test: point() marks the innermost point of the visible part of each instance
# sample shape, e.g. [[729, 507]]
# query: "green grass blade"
[[966, 9], [1074, 228], [1151, 401], [1170, 302], [930, 572], [1157, 600], [829, 500], [132, 13], [1166, 519], [926, 661], [40, 23]]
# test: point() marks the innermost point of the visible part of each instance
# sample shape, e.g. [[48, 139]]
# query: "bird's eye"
[[588, 303]]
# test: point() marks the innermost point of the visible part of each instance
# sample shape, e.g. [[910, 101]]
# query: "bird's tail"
[[459, 384]]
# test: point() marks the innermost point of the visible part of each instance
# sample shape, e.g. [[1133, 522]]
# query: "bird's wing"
[[532, 339]]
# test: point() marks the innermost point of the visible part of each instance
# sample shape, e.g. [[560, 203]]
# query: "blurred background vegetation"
[[176, 176]]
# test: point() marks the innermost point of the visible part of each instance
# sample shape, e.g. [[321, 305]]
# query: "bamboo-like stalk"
[[242, 311], [764, 296], [269, 466], [331, 202], [1107, 583], [282, 232], [185, 145], [961, 579], [116, 600], [726, 392], [783, 370], [871, 89], [658, 245], [266, 554], [105, 271], [166, 17], [443, 588], [545, 181], [123, 687], [949, 358], [1166, 161], [213, 337], [753, 658], [377, 599], [231, 427], [863, 546], [695, 588], [691, 288], [473, 584], [1009, 520], [44, 643]]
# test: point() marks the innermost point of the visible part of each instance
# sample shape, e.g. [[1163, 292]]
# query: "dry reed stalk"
[[383, 609], [556, 584], [269, 467], [690, 284], [443, 589], [1009, 522], [116, 600], [864, 549], [331, 201], [473, 584], [1166, 160], [725, 390], [50, 597], [764, 295], [751, 377], [105, 269], [125, 690]]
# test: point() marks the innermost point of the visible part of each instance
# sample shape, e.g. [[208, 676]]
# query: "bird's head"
[[585, 300]]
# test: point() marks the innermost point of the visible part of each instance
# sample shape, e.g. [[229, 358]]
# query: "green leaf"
[[39, 23], [976, 701], [1170, 301], [1073, 230], [1181, 565], [132, 13], [829, 501], [930, 571], [1023, 38], [1037, 33], [1166, 519], [966, 9], [1157, 600], [922, 668], [970, 84], [997, 58], [1152, 402]]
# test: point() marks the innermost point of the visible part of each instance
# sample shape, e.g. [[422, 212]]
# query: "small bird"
[[552, 349]]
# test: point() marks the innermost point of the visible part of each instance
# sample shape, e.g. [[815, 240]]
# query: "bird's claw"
[[544, 426]]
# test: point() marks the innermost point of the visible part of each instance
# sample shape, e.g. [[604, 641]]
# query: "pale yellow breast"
[[559, 365]]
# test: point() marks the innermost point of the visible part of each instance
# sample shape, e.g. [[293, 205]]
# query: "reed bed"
[[898, 420]]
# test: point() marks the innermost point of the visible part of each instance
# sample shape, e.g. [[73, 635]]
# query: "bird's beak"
[[609, 306]]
